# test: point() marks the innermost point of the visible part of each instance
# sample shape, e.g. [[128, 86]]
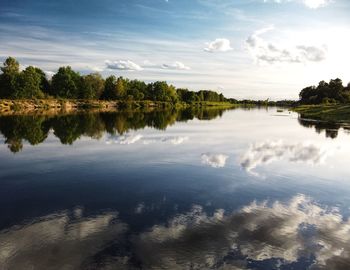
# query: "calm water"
[[239, 189]]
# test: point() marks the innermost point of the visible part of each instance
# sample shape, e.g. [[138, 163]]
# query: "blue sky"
[[243, 48]]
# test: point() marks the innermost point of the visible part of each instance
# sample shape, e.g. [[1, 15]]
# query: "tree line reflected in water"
[[70, 127], [331, 129]]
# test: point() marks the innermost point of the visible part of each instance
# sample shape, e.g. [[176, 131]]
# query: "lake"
[[190, 189]]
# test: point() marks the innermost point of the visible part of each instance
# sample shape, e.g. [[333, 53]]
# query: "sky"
[[254, 49]]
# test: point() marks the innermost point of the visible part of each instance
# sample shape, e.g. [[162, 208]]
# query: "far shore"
[[325, 112], [55, 106]]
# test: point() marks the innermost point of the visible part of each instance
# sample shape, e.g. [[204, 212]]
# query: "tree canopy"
[[32, 82], [332, 92]]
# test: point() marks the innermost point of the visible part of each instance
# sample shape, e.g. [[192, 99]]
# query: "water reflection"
[[65, 240], [214, 160], [294, 235], [266, 152], [331, 129], [69, 128], [298, 234]]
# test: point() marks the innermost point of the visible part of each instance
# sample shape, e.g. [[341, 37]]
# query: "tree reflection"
[[331, 128], [69, 128]]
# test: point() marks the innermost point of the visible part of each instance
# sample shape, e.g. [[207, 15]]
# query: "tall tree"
[[110, 89], [28, 85], [9, 77], [120, 88], [92, 86], [66, 83]]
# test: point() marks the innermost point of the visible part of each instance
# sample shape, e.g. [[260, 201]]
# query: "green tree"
[[92, 86], [44, 82], [9, 77], [110, 89], [120, 88], [66, 83], [28, 86]]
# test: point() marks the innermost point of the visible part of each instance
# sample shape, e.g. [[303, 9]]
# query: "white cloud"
[[313, 4], [176, 65], [49, 74], [316, 3], [269, 53], [218, 45], [214, 160], [123, 65], [267, 152]]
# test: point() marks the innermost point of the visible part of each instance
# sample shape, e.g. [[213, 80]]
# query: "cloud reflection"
[[138, 138], [297, 234], [267, 152], [214, 160], [59, 241], [282, 234]]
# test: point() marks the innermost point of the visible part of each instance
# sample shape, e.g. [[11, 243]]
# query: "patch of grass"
[[329, 113]]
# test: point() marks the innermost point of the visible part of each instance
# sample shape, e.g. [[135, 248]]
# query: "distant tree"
[[120, 88], [44, 82], [331, 92], [110, 89], [92, 86], [9, 77], [66, 83], [28, 85], [137, 89], [163, 92]]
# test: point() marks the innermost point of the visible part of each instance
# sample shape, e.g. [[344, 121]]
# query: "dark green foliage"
[[326, 93], [110, 88], [92, 86], [162, 91], [29, 84], [44, 82], [66, 83], [9, 77]]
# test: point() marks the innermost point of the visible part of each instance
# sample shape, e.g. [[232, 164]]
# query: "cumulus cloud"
[[313, 4], [58, 241], [270, 53], [214, 160], [176, 66], [218, 45], [123, 65], [282, 233], [267, 152]]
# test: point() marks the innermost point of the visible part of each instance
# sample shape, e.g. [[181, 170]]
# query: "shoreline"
[[58, 106], [327, 113]]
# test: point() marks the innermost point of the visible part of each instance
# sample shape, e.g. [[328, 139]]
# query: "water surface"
[[192, 189]]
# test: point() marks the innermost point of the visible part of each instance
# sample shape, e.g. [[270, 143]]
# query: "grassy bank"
[[23, 106], [329, 113]]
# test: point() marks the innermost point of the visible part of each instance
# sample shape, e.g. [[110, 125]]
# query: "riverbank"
[[53, 106], [329, 113]]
